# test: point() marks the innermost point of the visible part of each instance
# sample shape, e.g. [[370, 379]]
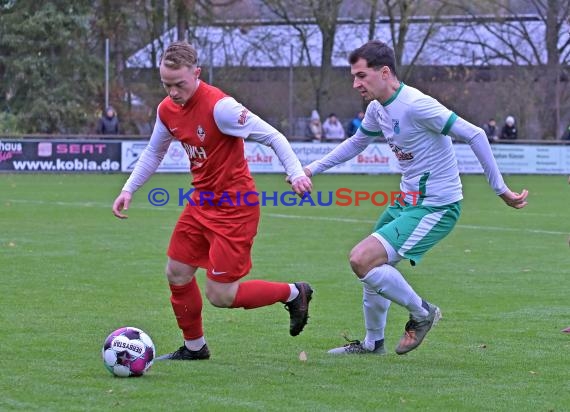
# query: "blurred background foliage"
[[52, 58]]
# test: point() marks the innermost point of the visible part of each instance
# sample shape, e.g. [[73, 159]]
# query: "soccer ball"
[[128, 352]]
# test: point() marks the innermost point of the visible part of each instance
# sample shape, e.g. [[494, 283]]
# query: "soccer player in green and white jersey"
[[418, 129]]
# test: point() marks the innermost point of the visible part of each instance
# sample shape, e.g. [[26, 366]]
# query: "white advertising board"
[[377, 158]]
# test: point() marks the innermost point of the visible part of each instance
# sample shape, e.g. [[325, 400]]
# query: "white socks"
[[294, 292], [195, 344], [375, 308], [388, 282]]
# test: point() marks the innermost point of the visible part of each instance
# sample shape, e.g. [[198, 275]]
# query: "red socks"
[[187, 304], [257, 293]]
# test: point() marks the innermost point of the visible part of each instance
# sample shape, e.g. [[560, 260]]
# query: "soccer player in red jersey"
[[216, 229]]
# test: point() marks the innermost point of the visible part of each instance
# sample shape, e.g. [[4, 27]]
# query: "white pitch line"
[[331, 219], [283, 216], [79, 204], [510, 229], [473, 227]]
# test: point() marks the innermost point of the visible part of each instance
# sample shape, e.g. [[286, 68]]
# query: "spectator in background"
[[332, 129], [566, 134], [354, 123], [108, 122], [491, 130], [314, 129], [509, 131]]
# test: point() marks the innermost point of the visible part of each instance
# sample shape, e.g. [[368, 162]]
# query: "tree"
[[198, 12], [325, 13], [128, 26], [532, 38], [47, 65], [401, 14]]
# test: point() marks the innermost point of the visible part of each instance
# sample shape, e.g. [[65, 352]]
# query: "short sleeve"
[[370, 125], [432, 115]]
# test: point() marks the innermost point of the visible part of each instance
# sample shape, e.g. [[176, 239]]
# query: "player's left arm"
[[233, 119], [477, 140]]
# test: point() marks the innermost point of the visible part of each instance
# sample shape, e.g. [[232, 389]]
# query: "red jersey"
[[220, 172]]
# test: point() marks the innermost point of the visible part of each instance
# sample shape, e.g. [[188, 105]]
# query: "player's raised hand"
[[516, 200], [122, 202], [302, 185]]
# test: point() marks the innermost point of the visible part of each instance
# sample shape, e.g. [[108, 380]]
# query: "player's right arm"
[[145, 167], [340, 154]]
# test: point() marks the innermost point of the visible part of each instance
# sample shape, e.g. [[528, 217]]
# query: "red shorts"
[[218, 242]]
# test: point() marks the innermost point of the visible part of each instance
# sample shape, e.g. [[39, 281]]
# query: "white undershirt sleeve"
[[150, 157], [233, 119], [476, 138], [342, 153]]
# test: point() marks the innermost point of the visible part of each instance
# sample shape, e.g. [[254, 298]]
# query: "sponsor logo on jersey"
[[400, 154], [195, 152], [243, 116]]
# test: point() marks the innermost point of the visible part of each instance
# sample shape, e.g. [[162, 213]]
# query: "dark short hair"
[[376, 53]]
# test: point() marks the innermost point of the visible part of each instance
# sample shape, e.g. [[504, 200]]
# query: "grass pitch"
[[71, 273]]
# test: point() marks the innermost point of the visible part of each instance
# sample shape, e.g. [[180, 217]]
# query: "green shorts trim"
[[413, 230]]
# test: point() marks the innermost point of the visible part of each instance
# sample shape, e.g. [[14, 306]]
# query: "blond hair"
[[179, 54]]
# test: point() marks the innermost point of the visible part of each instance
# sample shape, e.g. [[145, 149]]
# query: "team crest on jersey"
[[201, 133], [396, 126]]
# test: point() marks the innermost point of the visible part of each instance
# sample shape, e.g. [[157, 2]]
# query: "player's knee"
[[178, 273], [358, 262], [219, 298]]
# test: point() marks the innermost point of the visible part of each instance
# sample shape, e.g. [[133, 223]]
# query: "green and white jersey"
[[415, 126]]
